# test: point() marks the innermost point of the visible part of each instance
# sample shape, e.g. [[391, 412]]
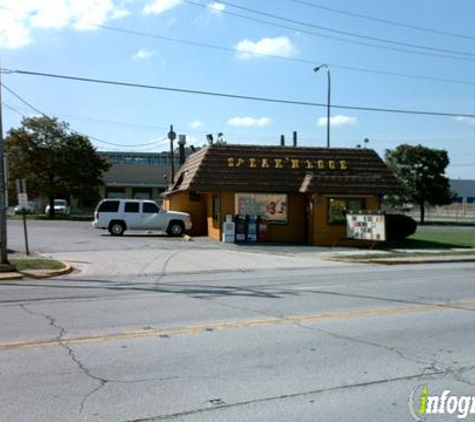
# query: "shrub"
[[399, 226]]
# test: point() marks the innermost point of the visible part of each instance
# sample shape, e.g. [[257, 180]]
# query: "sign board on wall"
[[366, 226], [270, 206]]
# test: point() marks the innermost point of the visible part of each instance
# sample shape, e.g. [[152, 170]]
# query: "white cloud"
[[338, 121], [467, 120], [170, 22], [196, 124], [143, 54], [249, 121], [157, 7], [280, 46], [21, 18], [216, 7], [120, 14]]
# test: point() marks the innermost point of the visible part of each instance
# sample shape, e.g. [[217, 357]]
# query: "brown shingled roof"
[[248, 168]]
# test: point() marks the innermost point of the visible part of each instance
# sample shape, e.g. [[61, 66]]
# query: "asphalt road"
[[296, 340]]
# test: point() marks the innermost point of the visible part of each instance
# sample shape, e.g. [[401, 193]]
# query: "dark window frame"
[[134, 205], [146, 205], [216, 207], [110, 206]]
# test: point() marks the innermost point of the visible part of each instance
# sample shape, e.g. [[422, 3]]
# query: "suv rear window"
[[109, 206], [131, 207]]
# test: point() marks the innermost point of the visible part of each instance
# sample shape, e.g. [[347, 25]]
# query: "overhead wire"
[[385, 21], [138, 145], [73, 131], [233, 96], [337, 31], [313, 33], [264, 55]]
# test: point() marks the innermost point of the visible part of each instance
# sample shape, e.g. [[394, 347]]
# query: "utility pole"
[[3, 210]]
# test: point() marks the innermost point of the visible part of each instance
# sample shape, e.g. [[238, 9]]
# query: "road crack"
[[280, 397], [71, 354]]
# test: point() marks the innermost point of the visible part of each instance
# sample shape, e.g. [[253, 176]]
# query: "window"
[[338, 207], [216, 207], [109, 206], [150, 208], [271, 206], [131, 207]]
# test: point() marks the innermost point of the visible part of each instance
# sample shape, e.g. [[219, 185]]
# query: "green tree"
[[55, 161], [421, 171]]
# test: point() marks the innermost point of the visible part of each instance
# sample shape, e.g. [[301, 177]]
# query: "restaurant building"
[[303, 193]]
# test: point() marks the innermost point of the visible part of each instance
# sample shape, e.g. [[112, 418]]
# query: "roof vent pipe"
[[295, 138], [282, 140], [181, 146]]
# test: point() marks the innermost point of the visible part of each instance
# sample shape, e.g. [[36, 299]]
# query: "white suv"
[[119, 215]]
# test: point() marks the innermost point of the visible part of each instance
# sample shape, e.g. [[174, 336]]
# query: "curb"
[[36, 274], [40, 274], [10, 276], [402, 261]]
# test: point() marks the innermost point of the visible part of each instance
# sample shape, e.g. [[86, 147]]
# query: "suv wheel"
[[176, 228], [116, 228]]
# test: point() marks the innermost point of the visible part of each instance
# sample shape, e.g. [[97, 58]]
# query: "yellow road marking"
[[220, 326]]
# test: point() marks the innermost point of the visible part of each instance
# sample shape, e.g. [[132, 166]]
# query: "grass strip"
[[36, 264]]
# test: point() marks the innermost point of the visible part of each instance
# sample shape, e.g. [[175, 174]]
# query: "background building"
[[141, 175], [464, 190]]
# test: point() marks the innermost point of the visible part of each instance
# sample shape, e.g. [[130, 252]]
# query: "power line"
[[338, 31], [234, 96], [12, 109], [292, 28], [73, 131], [22, 100], [386, 21], [271, 56], [307, 138]]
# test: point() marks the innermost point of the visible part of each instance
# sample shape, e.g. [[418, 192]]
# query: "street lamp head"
[[322, 66]]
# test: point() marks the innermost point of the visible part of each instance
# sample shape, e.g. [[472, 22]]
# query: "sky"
[[416, 56]]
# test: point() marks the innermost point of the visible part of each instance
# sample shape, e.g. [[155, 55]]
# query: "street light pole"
[[316, 69]]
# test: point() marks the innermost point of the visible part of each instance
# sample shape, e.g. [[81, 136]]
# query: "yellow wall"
[[334, 235], [197, 210], [316, 231], [295, 231], [226, 202]]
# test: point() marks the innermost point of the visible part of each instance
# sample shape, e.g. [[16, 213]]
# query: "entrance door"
[[308, 219]]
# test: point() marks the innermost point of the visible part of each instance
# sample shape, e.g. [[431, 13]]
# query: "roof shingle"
[[249, 168]]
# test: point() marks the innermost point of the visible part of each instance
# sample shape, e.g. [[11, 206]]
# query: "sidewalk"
[[204, 255], [183, 259]]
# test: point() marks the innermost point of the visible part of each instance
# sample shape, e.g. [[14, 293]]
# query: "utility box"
[[263, 224], [241, 229], [251, 228], [229, 230]]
